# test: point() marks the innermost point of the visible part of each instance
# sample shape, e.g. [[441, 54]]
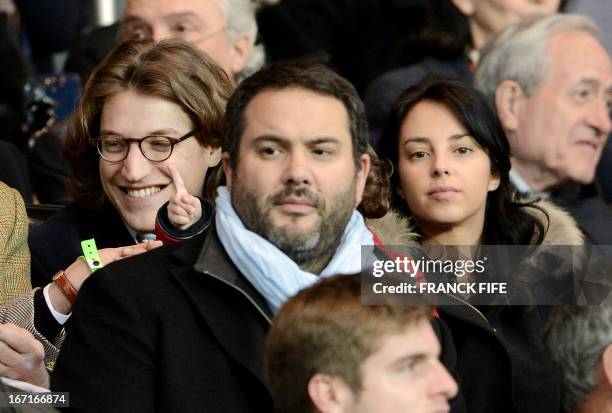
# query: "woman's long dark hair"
[[506, 220]]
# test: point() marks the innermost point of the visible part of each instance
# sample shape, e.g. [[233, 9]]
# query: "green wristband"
[[91, 254]]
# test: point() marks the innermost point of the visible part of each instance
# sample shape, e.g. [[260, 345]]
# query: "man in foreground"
[[326, 352]]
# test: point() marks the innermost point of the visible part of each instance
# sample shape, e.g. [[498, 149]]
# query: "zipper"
[[248, 297], [461, 300]]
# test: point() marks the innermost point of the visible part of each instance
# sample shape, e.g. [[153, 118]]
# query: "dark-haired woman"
[[452, 168]]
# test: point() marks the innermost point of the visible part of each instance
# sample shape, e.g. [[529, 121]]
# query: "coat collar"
[[393, 229]]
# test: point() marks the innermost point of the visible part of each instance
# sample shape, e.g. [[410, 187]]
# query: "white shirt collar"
[[138, 237], [523, 187]]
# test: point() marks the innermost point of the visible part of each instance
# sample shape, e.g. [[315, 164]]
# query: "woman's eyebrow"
[[417, 139]]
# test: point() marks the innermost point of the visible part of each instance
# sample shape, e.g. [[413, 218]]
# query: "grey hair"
[[240, 19], [577, 338], [520, 52]]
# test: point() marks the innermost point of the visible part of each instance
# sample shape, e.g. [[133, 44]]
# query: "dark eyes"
[[418, 155], [321, 153], [582, 94], [270, 151], [182, 28], [463, 150]]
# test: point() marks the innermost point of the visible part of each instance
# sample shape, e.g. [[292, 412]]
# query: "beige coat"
[[14, 253]]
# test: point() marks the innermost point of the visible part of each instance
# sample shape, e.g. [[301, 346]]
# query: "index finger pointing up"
[[177, 180]]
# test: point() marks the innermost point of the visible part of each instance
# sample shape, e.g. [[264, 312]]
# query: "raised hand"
[[22, 356], [184, 209]]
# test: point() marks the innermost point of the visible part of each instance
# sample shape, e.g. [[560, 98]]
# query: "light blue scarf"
[[273, 273]]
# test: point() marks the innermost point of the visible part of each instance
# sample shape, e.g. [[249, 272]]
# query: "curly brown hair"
[[376, 200], [172, 70]]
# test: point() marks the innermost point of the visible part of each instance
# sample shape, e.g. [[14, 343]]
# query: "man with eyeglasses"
[[224, 29], [148, 126]]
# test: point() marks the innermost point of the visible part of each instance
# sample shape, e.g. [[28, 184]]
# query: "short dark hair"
[[312, 77], [325, 329], [506, 221]]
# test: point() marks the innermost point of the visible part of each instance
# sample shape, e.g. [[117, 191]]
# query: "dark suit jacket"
[[156, 333], [56, 243], [586, 205]]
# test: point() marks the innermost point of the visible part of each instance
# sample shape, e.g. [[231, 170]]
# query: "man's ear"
[[466, 7], [362, 176], [509, 96], [329, 394], [214, 157], [606, 363], [241, 50], [227, 169]]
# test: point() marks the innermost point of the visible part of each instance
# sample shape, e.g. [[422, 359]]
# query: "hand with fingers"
[[78, 271], [184, 209], [22, 356]]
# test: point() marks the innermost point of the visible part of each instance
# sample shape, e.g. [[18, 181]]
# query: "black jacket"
[[497, 353], [497, 356], [157, 333]]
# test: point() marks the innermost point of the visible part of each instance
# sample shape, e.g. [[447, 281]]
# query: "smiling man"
[[147, 106], [551, 80], [183, 330], [391, 366]]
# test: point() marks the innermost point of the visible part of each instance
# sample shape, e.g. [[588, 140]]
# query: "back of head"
[[171, 70], [577, 338], [520, 52], [325, 329]]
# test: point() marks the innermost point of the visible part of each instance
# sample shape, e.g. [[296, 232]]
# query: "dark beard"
[[310, 250]]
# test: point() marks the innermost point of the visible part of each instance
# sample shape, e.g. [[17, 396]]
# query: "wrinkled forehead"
[[576, 56], [207, 11]]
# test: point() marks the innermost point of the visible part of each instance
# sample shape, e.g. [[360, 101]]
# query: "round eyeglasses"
[[114, 148]]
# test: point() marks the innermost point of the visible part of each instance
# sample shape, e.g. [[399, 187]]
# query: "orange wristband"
[[65, 286]]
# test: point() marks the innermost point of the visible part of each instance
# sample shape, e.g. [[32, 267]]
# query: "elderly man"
[[580, 341], [224, 29], [392, 365], [183, 329], [551, 80]]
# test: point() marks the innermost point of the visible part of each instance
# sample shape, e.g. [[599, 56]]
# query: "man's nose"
[[160, 32], [297, 171], [135, 165], [443, 382], [598, 117]]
